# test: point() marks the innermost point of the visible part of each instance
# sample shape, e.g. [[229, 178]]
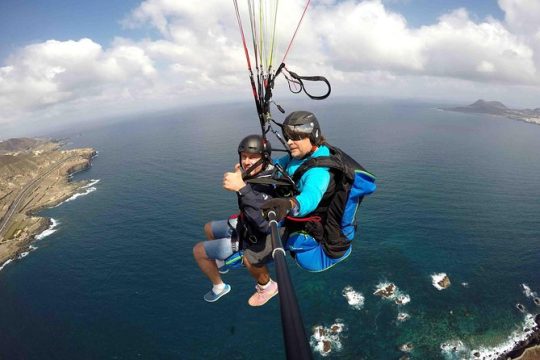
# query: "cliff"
[[34, 174]]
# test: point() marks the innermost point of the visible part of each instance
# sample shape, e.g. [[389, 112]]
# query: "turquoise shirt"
[[312, 185]]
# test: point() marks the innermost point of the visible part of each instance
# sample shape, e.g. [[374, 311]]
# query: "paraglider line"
[[295, 31]]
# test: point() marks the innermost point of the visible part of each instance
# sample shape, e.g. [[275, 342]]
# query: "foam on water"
[[456, 349], [355, 299], [91, 183], [402, 299], [88, 189], [403, 316], [25, 253], [389, 291], [528, 292], [5, 263], [51, 230], [325, 340], [436, 278]]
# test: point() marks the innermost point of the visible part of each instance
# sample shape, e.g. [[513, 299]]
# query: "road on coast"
[[13, 208]]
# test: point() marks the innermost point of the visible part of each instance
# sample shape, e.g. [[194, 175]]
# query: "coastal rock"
[[34, 175], [441, 281], [407, 347], [386, 291], [499, 109], [453, 347], [444, 283], [403, 299], [526, 349], [402, 316], [327, 346], [327, 339], [336, 328]]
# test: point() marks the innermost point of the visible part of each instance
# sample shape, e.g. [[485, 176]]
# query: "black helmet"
[[255, 144], [302, 123]]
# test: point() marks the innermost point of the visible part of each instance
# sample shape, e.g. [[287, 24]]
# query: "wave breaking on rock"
[[354, 299], [389, 291], [441, 281], [325, 340]]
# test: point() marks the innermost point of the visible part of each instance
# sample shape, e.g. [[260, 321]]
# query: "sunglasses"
[[297, 132], [294, 136]]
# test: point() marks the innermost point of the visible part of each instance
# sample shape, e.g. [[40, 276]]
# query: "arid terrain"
[[34, 174]]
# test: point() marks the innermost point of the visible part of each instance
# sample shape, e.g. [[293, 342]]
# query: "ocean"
[[115, 279]]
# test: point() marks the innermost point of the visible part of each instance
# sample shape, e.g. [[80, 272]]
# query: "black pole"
[[294, 334]]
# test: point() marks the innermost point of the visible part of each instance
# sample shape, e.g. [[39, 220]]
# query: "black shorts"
[[260, 252]]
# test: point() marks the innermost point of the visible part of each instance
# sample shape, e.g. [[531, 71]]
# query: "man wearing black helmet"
[[308, 209], [248, 231]]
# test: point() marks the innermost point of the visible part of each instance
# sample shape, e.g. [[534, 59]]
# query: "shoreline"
[[37, 177], [528, 349]]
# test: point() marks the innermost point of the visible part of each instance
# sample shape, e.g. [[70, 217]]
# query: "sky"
[[65, 62]]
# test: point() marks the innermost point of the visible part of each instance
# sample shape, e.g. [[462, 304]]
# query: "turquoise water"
[[457, 193]]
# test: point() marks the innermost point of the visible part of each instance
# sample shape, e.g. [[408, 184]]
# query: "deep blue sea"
[[457, 194]]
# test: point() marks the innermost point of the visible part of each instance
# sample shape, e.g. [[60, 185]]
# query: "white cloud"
[[364, 36], [457, 47], [361, 46], [58, 73], [522, 16]]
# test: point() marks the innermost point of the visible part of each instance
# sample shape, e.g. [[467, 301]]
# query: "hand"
[[233, 181], [281, 206]]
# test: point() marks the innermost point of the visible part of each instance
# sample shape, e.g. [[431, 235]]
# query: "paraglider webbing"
[[294, 334], [298, 80]]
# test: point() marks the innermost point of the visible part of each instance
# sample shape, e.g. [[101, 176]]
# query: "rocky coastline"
[[34, 175], [497, 108], [528, 349]]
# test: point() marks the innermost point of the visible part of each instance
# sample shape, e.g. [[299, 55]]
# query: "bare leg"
[[208, 266], [260, 274], [208, 231]]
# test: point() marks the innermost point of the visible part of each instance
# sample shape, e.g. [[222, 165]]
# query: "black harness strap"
[[268, 181], [343, 163], [298, 79], [321, 161]]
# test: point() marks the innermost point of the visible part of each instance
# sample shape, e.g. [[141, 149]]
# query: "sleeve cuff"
[[243, 191]]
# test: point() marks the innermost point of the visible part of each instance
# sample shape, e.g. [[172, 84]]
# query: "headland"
[[34, 174], [497, 108]]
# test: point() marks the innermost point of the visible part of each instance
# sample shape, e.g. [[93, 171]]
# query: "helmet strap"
[[247, 173]]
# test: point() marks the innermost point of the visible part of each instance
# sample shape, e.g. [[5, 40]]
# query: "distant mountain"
[[498, 108], [19, 144], [484, 107]]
